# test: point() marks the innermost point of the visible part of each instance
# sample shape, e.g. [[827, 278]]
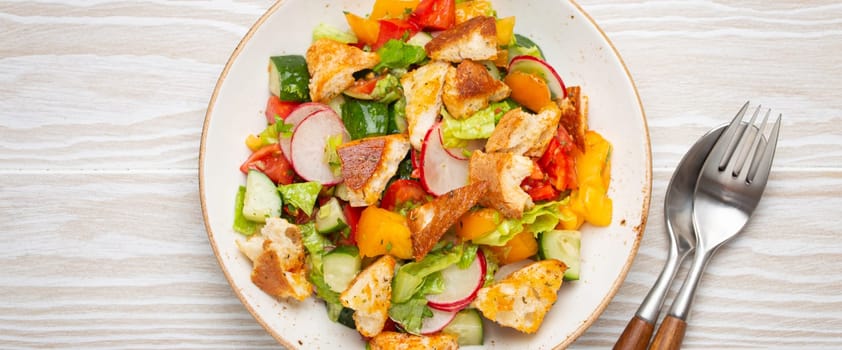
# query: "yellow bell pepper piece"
[[253, 143], [521, 246], [392, 8], [477, 223], [575, 221], [380, 231], [505, 31], [593, 171], [470, 9], [366, 30]]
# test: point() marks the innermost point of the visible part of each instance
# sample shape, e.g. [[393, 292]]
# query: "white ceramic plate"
[[581, 54]]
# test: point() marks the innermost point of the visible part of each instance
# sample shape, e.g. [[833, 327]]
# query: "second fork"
[[728, 190]]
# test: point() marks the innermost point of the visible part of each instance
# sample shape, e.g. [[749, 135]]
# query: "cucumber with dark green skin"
[[565, 246], [365, 118], [289, 78], [346, 318]]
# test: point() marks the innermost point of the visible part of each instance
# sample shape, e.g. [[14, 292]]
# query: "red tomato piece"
[[352, 214], [539, 190], [402, 191], [559, 161], [364, 86], [276, 107], [394, 29], [435, 14], [270, 160]]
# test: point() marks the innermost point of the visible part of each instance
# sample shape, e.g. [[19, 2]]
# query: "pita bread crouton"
[[332, 66], [370, 295], [504, 172], [423, 89], [522, 299], [474, 39], [469, 88], [574, 115], [369, 163], [406, 341], [278, 257], [524, 133], [430, 221]]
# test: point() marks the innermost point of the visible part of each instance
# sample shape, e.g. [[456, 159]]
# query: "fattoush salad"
[[421, 169]]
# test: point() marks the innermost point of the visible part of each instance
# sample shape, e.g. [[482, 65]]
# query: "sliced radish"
[[460, 286], [298, 114], [440, 173], [307, 148], [537, 66], [415, 158], [436, 323], [464, 153], [507, 269]]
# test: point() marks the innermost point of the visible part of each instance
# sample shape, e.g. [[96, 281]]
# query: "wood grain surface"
[[102, 243]]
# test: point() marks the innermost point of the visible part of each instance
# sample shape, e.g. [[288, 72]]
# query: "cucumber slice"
[[346, 318], [420, 39], [467, 327], [563, 245], [340, 266], [289, 78], [262, 199], [330, 217], [365, 118]]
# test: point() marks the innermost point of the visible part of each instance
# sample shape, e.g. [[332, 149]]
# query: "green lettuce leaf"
[[410, 277], [301, 195], [241, 224], [411, 313], [480, 125], [540, 218], [396, 54], [316, 246]]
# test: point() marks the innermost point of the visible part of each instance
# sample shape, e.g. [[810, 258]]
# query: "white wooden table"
[[102, 243]]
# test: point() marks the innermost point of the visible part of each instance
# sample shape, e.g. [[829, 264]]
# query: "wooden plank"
[[149, 70], [122, 261]]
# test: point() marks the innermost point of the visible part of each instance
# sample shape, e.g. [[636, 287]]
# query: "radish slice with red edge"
[[460, 285], [296, 116], [539, 67], [440, 173], [440, 319], [505, 270], [307, 148], [464, 153]]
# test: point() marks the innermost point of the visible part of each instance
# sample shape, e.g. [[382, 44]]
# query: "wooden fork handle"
[[670, 334], [636, 335]]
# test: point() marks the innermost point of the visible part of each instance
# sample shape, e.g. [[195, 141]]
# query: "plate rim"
[[639, 229]]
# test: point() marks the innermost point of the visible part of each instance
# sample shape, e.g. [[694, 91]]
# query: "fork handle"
[[636, 335], [670, 334]]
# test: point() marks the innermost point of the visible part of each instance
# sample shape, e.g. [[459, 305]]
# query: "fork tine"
[[749, 148], [761, 166], [732, 134]]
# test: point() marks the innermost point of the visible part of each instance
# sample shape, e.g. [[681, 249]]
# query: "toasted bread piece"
[[469, 87], [369, 163], [278, 257], [504, 172], [574, 115], [332, 64], [405, 341], [423, 89], [522, 299], [524, 133], [430, 221], [474, 39], [370, 295]]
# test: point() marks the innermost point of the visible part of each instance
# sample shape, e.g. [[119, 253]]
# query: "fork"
[[729, 188]]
